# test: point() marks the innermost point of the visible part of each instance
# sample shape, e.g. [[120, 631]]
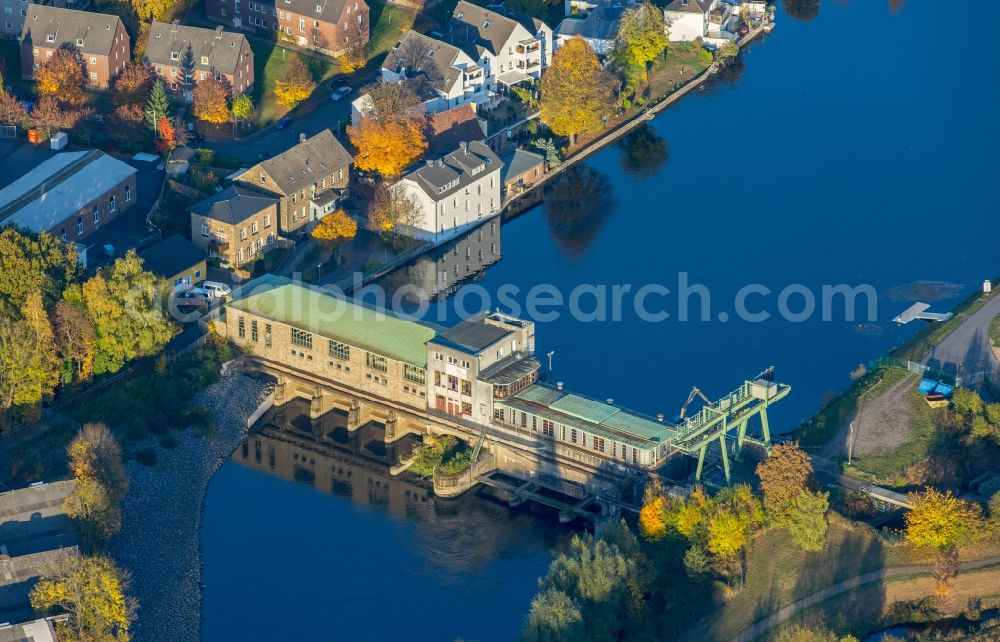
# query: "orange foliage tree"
[[211, 101], [61, 77], [168, 136], [335, 227], [387, 147]]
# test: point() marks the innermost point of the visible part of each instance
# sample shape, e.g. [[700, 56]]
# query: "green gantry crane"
[[733, 412]]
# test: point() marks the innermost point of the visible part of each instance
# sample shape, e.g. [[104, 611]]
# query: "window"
[[204, 60], [498, 413], [302, 24], [243, 233], [466, 408], [241, 327], [97, 215], [253, 227], [414, 374], [548, 428], [79, 226], [339, 350], [572, 435], [253, 331], [111, 204], [173, 72], [437, 378], [466, 388], [174, 55], [635, 455], [376, 362], [302, 338], [524, 420], [267, 335], [599, 444], [267, 221], [452, 383], [128, 193]]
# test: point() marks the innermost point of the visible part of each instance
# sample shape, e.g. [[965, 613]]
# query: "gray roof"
[[329, 10], [439, 178], [86, 32], [441, 54], [689, 6], [600, 24], [471, 337], [221, 48], [34, 631], [307, 162], [32, 519], [485, 29], [18, 575], [509, 370], [233, 205], [520, 162], [59, 187], [172, 255]]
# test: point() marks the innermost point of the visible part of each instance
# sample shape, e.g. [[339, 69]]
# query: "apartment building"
[[99, 41], [13, 13], [445, 76], [309, 180], [235, 225], [182, 56], [329, 26]]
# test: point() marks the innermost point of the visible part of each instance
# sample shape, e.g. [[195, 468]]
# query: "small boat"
[[935, 400]]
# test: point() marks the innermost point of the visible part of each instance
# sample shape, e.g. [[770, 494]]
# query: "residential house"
[[510, 47], [13, 13], [597, 25], [235, 225], [309, 180], [99, 41], [181, 56], [70, 195], [330, 26], [714, 22], [453, 193], [446, 129], [444, 75], [177, 261], [521, 169]]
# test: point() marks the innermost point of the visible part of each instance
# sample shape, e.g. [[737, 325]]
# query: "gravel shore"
[[161, 515]]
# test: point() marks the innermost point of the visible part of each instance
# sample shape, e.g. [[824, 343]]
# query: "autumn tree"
[[355, 57], [211, 101], [807, 520], [74, 339], [133, 85], [28, 362], [123, 302], [100, 482], [295, 83], [334, 227], [47, 116], [241, 107], [62, 77], [641, 39], [157, 106], [576, 92], [389, 100], [91, 591], [391, 209], [12, 112], [652, 518], [388, 146], [942, 523], [554, 617], [783, 475], [33, 263], [166, 139]]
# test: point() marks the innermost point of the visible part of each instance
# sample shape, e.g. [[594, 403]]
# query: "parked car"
[[340, 93], [192, 297], [283, 123], [217, 290]]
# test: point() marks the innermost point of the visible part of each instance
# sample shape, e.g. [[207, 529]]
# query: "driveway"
[[967, 351]]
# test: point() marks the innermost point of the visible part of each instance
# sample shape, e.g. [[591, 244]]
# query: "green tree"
[[32, 262], [28, 361], [241, 108], [576, 91], [967, 403], [91, 590], [807, 520], [101, 482], [157, 106], [123, 302], [786, 472], [554, 617], [641, 39]]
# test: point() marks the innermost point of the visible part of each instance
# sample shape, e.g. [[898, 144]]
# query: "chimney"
[[218, 31], [465, 147], [610, 401], [430, 162], [302, 137], [659, 417]]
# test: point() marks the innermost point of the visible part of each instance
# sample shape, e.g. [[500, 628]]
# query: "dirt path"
[[784, 614], [880, 422]]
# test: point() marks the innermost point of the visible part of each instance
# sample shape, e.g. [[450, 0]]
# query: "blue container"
[[926, 385], [944, 389]]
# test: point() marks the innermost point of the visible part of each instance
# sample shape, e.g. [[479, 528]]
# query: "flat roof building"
[[176, 260], [69, 195]]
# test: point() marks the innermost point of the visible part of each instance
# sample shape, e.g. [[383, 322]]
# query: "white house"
[[598, 25], [511, 47], [714, 21], [445, 75], [454, 192]]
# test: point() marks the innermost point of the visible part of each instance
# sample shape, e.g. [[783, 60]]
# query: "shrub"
[[205, 156]]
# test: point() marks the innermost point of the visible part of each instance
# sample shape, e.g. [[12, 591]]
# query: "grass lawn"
[[390, 22], [780, 573], [886, 463], [995, 331], [269, 62]]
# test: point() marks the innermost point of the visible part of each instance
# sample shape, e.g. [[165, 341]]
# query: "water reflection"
[[802, 9], [577, 204], [643, 153], [454, 536], [439, 273]]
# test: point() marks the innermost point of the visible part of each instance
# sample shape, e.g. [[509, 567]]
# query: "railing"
[[452, 485]]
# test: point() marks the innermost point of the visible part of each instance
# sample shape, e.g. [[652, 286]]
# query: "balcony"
[[218, 245]]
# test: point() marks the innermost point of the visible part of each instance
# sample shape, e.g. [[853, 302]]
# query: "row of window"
[[453, 383], [571, 435], [452, 360], [95, 213]]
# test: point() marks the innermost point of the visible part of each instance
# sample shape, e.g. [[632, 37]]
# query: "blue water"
[[857, 148]]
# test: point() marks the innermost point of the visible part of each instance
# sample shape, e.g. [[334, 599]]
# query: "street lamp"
[[550, 359], [850, 444], [319, 271]]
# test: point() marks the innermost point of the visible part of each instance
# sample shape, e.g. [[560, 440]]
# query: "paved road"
[[775, 619], [967, 351]]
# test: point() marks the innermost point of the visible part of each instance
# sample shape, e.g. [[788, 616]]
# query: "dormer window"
[[430, 54], [49, 38], [174, 55], [486, 24], [204, 60], [157, 34], [79, 42], [319, 8]]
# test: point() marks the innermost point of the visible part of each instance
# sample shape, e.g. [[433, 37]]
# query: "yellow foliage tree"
[[652, 519], [91, 590], [295, 84], [387, 147], [727, 534], [576, 91], [335, 227], [940, 521], [61, 77]]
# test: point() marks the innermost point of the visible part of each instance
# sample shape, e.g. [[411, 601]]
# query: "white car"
[[340, 93], [217, 290]]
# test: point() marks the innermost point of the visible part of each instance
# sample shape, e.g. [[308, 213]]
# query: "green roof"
[[322, 313], [596, 417]]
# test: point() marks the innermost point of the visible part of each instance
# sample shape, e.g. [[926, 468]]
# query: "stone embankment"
[[161, 514]]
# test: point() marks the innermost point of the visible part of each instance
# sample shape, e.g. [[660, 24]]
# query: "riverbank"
[[159, 541]]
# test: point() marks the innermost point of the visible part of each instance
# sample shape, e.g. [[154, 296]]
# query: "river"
[[856, 147]]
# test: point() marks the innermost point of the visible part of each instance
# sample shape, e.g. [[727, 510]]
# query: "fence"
[[916, 368], [8, 131]]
